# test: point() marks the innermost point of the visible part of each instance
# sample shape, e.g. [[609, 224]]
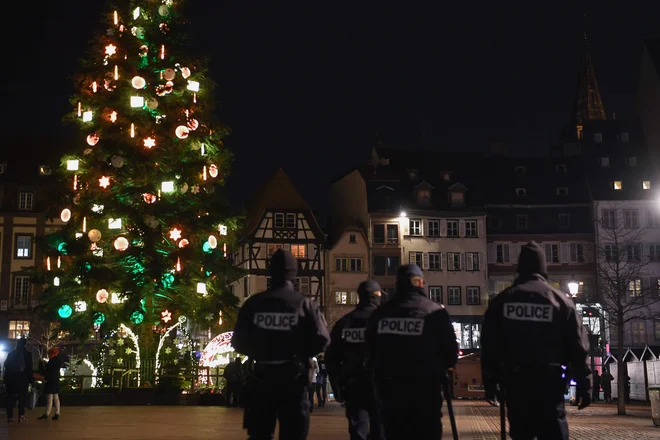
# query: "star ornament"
[[175, 234], [104, 182], [166, 316], [149, 142], [110, 49]]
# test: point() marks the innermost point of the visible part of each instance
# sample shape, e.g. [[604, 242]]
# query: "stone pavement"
[[476, 421]]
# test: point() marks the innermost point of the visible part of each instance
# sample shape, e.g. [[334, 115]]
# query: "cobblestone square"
[[476, 420]]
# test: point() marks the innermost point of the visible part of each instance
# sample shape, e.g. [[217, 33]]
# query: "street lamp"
[[573, 288], [403, 214]]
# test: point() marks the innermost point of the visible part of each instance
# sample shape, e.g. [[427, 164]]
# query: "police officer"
[[412, 344], [530, 331], [352, 381], [280, 330]]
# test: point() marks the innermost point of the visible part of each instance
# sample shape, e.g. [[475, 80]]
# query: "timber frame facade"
[[280, 218]]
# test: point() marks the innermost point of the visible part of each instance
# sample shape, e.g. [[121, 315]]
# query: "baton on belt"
[[450, 407]]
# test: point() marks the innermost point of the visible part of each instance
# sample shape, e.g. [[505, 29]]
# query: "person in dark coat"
[[280, 331], [596, 386], [52, 384], [606, 383], [412, 327], [18, 375], [530, 331], [234, 375]]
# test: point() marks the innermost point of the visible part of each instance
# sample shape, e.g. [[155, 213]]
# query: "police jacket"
[[411, 328], [533, 328], [347, 353], [278, 325]]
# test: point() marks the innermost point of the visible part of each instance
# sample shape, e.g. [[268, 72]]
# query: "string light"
[[178, 264], [116, 73], [195, 98], [95, 87], [48, 264], [162, 52], [84, 224], [132, 130], [203, 149], [116, 18], [113, 117], [75, 182], [204, 173], [79, 109], [59, 262]]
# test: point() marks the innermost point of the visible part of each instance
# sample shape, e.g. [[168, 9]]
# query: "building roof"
[[278, 193], [336, 229]]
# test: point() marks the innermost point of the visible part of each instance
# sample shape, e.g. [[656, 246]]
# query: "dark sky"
[[311, 87]]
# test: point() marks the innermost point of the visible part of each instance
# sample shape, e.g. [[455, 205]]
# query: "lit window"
[[19, 329], [298, 250], [23, 246], [646, 184], [618, 185], [44, 170], [25, 200], [341, 297]]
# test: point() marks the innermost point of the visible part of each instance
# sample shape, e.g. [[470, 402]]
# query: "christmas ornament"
[[104, 182], [149, 198], [193, 124], [87, 116], [144, 49], [117, 161], [166, 316], [138, 82], [102, 296], [110, 49], [201, 288], [183, 243], [213, 171], [152, 103], [94, 235], [65, 216], [213, 242], [169, 74], [151, 221], [175, 234], [65, 311], [163, 10], [193, 86], [185, 72], [121, 244], [182, 132], [92, 139], [137, 101], [149, 142], [184, 188], [99, 318]]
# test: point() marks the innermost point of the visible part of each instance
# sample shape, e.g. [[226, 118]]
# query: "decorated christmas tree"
[[147, 223]]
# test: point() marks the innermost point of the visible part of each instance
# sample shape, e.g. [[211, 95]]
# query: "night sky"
[[311, 87]]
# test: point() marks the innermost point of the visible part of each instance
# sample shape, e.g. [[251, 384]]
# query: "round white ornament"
[[163, 10], [182, 132], [92, 139], [184, 188], [94, 235], [152, 103], [138, 82], [169, 74], [121, 244]]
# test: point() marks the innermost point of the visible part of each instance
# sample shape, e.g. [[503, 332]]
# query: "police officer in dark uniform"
[[530, 331], [411, 343], [346, 356], [280, 330]]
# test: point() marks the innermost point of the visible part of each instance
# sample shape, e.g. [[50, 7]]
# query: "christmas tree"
[[147, 222]]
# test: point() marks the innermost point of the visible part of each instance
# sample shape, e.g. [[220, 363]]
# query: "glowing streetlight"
[[403, 214], [573, 288]]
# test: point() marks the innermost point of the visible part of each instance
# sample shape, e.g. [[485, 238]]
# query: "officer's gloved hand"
[[582, 396]]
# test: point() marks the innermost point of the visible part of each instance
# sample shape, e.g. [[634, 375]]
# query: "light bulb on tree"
[[149, 142]]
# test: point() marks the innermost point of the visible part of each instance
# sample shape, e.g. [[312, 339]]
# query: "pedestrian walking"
[[233, 374], [350, 377], [18, 376], [280, 330], [596, 387], [412, 328], [530, 331], [606, 382], [322, 380], [52, 384], [313, 374]]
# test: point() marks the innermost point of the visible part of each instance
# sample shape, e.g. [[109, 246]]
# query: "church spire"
[[588, 102]]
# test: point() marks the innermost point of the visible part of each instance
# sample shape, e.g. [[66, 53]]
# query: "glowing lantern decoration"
[[149, 198], [104, 182], [113, 117], [213, 171], [56, 281], [65, 311], [65, 216], [201, 288], [136, 13], [169, 74], [183, 243], [137, 101], [162, 52], [222, 229], [92, 139], [182, 132], [72, 165], [138, 82], [94, 235], [166, 316], [149, 143], [102, 296], [193, 86], [167, 187], [81, 306], [178, 264], [220, 317], [175, 234], [110, 49], [116, 16], [79, 109], [121, 244], [114, 223], [87, 116], [213, 242]]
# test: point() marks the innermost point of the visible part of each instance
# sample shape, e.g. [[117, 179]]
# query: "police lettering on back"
[[401, 326], [528, 312], [354, 335], [275, 321]]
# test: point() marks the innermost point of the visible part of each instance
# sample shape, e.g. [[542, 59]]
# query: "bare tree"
[[622, 265], [333, 312]]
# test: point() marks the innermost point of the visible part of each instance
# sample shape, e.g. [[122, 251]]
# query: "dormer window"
[[520, 192], [413, 175], [631, 161], [561, 168], [424, 196], [618, 185], [624, 137], [457, 198], [44, 170], [598, 138], [520, 169], [562, 191], [446, 176]]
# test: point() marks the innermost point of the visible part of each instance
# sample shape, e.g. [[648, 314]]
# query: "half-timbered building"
[[278, 217]]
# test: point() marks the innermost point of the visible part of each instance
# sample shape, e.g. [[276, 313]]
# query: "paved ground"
[[476, 421]]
